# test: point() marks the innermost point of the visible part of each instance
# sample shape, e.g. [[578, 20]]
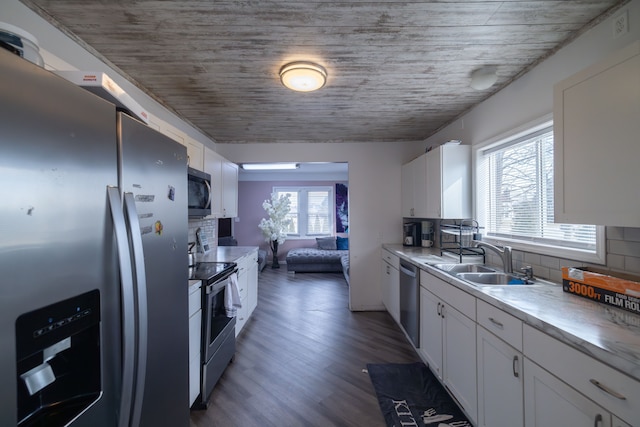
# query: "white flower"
[[275, 227]]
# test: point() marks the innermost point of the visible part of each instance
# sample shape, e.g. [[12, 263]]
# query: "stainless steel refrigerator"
[[93, 260]]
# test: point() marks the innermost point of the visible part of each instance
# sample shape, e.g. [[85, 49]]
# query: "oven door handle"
[[215, 286]]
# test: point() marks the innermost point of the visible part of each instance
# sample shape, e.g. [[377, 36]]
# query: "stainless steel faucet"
[[528, 272], [505, 254]]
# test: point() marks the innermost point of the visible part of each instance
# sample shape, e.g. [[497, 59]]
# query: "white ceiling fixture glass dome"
[[303, 76], [483, 78]]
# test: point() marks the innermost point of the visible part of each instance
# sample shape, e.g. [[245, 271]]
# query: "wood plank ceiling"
[[398, 70]]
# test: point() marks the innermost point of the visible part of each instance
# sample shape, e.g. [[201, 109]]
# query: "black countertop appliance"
[[412, 235]]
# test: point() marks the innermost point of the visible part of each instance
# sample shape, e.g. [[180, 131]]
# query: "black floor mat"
[[410, 395]]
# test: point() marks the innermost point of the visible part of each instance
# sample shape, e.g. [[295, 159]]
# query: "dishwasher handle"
[[411, 273]]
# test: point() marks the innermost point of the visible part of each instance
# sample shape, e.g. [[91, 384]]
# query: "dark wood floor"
[[300, 359]]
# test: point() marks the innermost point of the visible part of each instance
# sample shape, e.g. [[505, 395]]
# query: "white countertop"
[[606, 333], [226, 254]]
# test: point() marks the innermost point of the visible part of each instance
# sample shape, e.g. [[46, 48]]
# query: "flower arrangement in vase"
[[275, 227]]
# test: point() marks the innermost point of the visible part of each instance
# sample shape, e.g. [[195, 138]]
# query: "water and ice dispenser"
[[58, 361]]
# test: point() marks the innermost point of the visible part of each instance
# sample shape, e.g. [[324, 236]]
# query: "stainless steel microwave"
[[199, 193]]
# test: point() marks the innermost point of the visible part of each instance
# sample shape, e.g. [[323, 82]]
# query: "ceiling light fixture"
[[483, 78], [303, 76], [269, 166]]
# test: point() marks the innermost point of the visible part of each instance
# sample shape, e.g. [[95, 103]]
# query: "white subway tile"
[[632, 264], [551, 262], [615, 261], [627, 248], [632, 234], [615, 233], [532, 258]]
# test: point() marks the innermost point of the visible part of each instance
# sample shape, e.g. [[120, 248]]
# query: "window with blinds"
[[311, 211], [515, 194]]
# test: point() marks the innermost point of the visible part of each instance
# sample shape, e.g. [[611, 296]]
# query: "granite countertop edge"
[[608, 334], [226, 254]]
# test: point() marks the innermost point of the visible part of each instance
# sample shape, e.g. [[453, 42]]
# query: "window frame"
[[303, 213], [597, 257]]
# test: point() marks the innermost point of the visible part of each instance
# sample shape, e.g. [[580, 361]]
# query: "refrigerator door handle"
[[131, 215], [128, 307]]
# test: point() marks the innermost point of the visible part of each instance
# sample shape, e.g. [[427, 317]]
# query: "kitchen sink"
[[429, 259], [464, 268], [493, 279]]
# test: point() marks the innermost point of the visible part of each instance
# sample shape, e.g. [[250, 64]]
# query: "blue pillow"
[[342, 243]]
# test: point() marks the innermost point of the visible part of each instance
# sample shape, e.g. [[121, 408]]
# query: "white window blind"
[[293, 213], [318, 213], [515, 194], [311, 211]]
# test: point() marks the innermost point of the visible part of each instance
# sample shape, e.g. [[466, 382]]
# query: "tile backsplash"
[[623, 255], [210, 228]]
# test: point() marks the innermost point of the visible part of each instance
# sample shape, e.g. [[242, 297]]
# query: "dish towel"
[[232, 297]]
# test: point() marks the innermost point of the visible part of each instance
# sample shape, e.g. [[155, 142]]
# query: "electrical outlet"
[[620, 24]]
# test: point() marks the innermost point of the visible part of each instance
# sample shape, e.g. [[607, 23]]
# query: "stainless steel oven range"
[[218, 330]]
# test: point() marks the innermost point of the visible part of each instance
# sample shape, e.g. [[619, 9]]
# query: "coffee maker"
[[412, 235]]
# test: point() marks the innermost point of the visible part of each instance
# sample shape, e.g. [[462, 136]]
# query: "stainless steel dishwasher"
[[410, 301]]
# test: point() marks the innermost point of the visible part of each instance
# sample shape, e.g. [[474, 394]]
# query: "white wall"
[[374, 199]]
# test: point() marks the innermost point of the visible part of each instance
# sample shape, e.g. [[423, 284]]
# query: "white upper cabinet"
[[224, 184], [195, 153], [597, 143], [438, 184], [213, 166], [229, 189], [448, 181], [414, 197]]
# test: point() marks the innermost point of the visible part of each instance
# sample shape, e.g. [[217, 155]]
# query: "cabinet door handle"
[[597, 420], [442, 311], [438, 309], [516, 365], [607, 389], [495, 322]]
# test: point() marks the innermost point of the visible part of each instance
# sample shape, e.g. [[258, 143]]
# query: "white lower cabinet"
[[500, 382], [574, 389], [431, 331], [551, 402], [448, 338], [500, 379], [247, 288], [390, 275], [505, 373]]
